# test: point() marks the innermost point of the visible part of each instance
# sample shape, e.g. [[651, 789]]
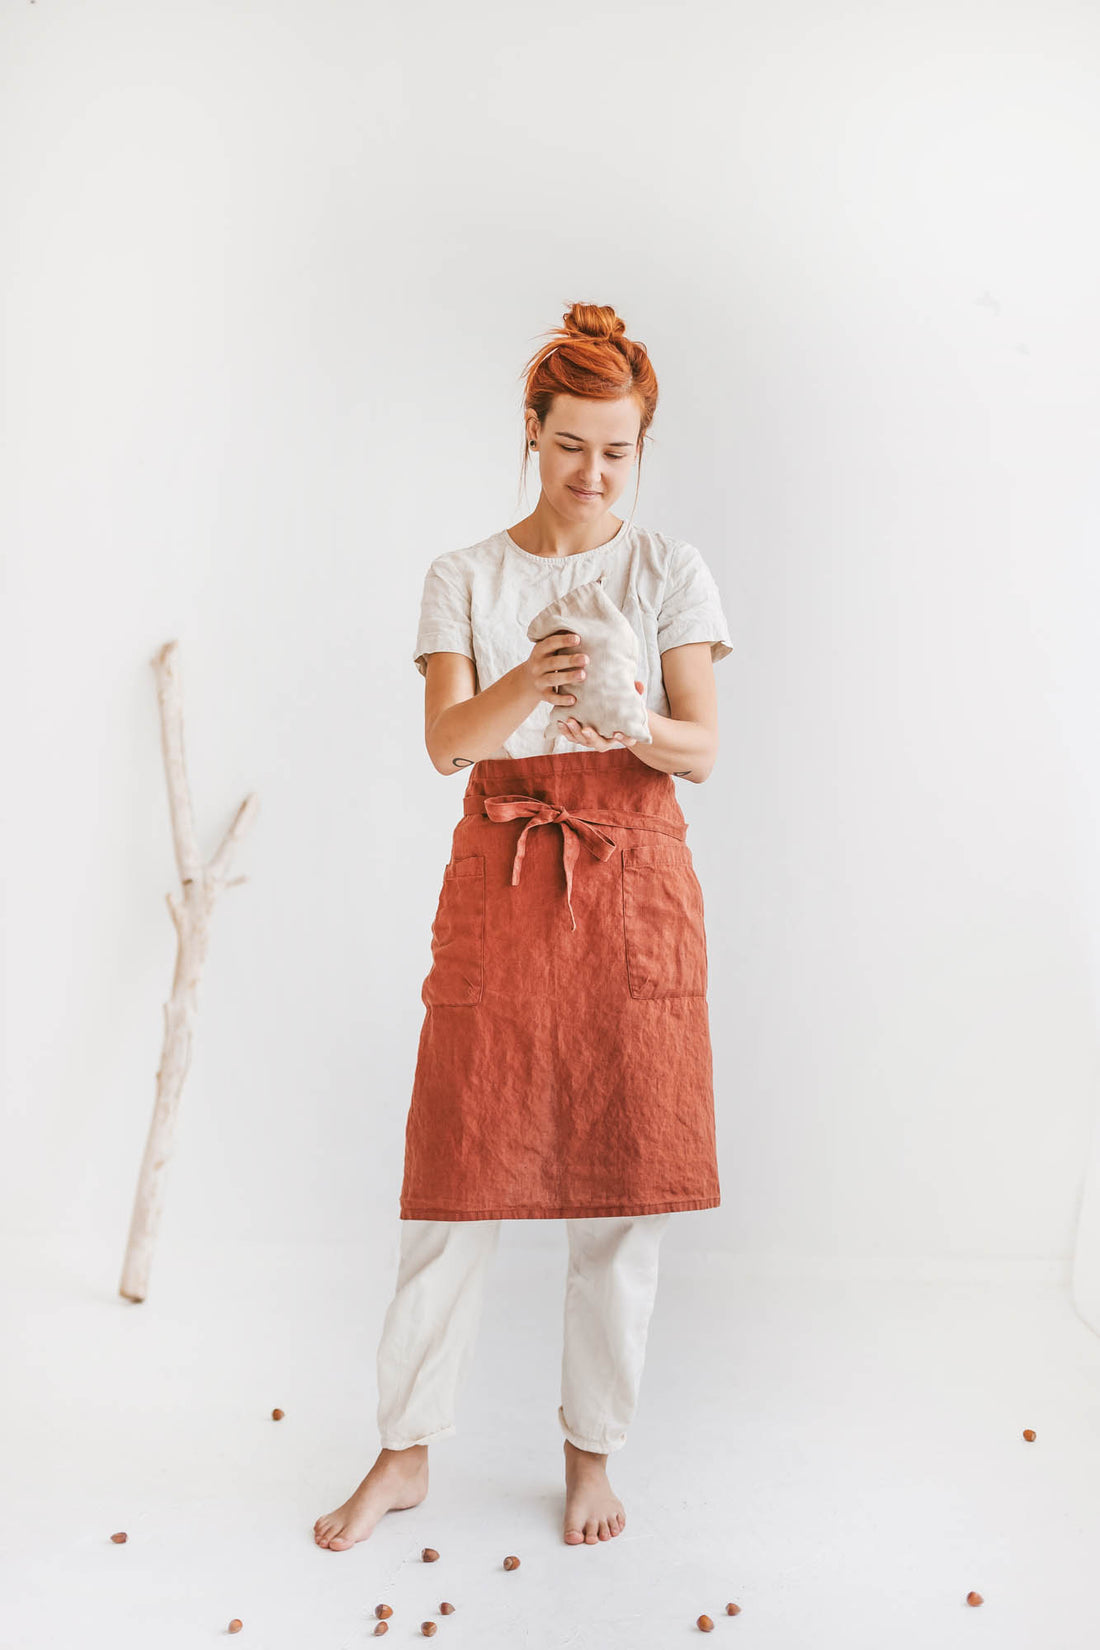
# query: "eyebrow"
[[573, 437]]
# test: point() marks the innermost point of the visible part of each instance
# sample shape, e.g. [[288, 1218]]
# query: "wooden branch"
[[190, 913]]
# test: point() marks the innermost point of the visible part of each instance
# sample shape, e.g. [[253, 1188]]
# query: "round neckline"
[[555, 561]]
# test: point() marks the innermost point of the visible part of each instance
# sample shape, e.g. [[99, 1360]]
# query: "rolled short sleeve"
[[444, 616], [691, 607]]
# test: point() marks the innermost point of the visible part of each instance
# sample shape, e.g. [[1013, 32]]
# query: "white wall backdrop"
[[270, 274]]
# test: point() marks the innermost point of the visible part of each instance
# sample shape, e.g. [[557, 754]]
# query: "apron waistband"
[[575, 829]]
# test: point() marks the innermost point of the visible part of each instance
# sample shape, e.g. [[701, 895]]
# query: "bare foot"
[[399, 1478], [592, 1511]]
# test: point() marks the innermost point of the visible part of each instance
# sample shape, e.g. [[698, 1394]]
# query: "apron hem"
[[579, 1211]]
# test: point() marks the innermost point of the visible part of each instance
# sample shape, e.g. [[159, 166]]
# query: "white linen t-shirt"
[[480, 600]]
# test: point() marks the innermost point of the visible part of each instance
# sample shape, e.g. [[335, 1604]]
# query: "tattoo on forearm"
[[461, 762]]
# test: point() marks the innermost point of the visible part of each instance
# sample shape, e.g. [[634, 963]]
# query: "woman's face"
[[586, 452]]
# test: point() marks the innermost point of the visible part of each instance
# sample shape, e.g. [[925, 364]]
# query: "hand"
[[552, 665], [591, 739]]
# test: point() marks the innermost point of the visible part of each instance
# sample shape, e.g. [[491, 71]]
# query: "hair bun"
[[596, 321]]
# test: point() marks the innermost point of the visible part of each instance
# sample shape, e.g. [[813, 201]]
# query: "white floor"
[[842, 1458]]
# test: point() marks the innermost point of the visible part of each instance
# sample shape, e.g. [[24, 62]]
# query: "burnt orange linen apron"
[[564, 1064]]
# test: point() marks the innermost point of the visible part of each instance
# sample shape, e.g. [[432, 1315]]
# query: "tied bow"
[[574, 831]]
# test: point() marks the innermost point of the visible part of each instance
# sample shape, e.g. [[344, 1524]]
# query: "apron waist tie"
[[575, 829]]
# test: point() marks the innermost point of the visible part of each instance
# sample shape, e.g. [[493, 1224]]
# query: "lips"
[[581, 494]]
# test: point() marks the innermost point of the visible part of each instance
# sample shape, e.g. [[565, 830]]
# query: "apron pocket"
[[456, 976], [666, 939]]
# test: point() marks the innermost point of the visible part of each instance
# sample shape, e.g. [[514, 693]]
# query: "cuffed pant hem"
[[407, 1443], [596, 1446]]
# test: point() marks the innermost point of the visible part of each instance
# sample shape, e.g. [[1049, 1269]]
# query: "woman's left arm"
[[686, 743]]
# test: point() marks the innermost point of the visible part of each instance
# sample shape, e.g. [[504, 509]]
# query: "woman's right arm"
[[462, 726]]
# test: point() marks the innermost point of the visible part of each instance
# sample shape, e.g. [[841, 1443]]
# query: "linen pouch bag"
[[607, 699]]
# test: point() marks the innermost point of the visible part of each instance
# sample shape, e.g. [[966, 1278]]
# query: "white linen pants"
[[431, 1322]]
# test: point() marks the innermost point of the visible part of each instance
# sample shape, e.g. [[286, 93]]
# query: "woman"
[[564, 1064]]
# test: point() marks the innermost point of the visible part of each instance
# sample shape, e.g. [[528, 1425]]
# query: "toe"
[[573, 1536], [603, 1532], [591, 1529]]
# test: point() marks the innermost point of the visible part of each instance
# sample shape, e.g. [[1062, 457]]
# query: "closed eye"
[[577, 450]]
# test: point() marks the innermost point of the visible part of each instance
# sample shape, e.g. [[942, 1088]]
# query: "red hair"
[[590, 356]]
